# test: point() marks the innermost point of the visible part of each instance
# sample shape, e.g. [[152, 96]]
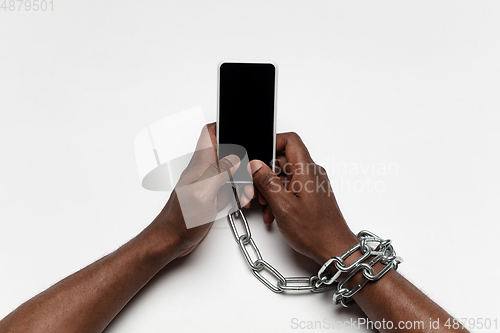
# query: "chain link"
[[248, 235], [383, 253], [315, 283]]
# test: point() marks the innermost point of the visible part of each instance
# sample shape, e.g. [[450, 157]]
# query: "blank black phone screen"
[[246, 110]]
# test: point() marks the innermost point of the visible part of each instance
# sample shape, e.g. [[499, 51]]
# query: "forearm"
[[90, 298], [396, 299]]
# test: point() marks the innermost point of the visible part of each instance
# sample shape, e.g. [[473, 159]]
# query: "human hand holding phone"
[[301, 200], [201, 192]]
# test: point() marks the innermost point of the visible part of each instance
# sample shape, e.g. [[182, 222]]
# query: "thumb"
[[268, 183], [220, 172]]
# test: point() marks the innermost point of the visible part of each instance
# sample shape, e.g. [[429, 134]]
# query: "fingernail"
[[254, 166], [233, 159]]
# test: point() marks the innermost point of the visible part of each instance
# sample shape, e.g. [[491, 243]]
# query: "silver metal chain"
[[383, 253]]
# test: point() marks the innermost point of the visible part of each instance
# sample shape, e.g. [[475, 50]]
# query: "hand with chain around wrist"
[[300, 199]]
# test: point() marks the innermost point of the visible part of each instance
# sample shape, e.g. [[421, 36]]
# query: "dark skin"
[[89, 299], [301, 208], [310, 221]]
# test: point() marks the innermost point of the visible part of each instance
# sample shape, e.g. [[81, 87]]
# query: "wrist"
[[336, 245], [351, 259], [163, 244]]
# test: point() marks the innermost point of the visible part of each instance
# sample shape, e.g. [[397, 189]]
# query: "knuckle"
[[267, 180], [207, 127], [225, 165], [214, 168], [198, 197], [211, 126], [294, 136]]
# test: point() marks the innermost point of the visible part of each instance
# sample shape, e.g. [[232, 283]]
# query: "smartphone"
[[247, 112]]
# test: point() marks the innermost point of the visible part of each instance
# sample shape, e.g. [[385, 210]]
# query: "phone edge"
[[273, 164]]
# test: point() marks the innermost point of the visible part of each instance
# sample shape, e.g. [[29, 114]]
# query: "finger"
[[245, 202], [267, 214], [212, 132], [205, 153], [294, 149], [260, 197], [268, 183], [249, 191], [263, 200], [221, 172], [283, 166], [207, 137], [284, 180]]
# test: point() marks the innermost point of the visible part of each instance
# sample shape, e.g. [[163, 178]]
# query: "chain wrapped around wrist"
[[383, 253]]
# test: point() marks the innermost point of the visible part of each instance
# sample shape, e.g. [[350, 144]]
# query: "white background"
[[365, 83]]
